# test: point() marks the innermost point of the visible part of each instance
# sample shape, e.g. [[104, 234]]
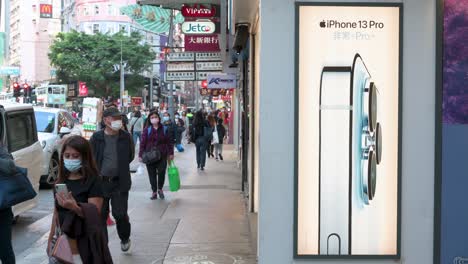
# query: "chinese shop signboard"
[[201, 42], [83, 89]]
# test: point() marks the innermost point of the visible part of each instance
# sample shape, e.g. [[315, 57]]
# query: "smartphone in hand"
[[61, 188]]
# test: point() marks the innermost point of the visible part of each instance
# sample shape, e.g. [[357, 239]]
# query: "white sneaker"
[[125, 246]]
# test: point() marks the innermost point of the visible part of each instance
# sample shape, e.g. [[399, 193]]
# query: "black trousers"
[[209, 149], [157, 174], [7, 256], [119, 202], [201, 151]]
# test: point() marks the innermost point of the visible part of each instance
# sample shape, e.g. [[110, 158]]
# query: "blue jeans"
[[7, 256], [201, 151], [136, 135]]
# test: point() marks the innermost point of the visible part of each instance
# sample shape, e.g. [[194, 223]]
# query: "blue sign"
[[9, 70]]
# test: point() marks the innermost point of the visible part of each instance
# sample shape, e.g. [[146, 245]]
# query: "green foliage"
[[91, 58]]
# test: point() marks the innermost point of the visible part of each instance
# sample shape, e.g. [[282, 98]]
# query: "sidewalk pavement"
[[205, 222]]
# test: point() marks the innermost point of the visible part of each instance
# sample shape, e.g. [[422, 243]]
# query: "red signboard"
[[45, 11], [137, 101], [199, 10], [83, 89], [201, 42]]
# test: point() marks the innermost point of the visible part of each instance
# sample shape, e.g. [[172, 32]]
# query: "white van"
[[18, 132]]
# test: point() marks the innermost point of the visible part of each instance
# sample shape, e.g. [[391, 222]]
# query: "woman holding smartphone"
[[78, 186]]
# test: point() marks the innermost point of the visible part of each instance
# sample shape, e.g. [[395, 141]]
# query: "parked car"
[[52, 125], [18, 132]]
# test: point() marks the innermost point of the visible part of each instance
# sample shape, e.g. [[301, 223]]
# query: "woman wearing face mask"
[[155, 135], [78, 212]]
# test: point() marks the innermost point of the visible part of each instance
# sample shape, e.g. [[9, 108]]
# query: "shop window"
[[95, 28], [96, 10]]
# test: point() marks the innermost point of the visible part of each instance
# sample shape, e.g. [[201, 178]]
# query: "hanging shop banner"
[[451, 241], [348, 120], [45, 11], [208, 56], [180, 56], [213, 92], [200, 27], [181, 66], [202, 42], [210, 66], [221, 80], [82, 89], [200, 10], [180, 76]]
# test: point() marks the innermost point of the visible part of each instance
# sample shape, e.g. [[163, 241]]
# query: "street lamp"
[[122, 76]]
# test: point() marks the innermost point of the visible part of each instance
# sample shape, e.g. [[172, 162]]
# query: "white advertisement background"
[[374, 227]]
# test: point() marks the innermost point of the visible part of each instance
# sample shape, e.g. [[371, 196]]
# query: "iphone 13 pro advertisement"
[[348, 93], [452, 155]]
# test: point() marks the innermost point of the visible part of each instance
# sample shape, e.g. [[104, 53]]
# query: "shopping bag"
[[174, 179], [141, 169], [215, 137], [16, 188]]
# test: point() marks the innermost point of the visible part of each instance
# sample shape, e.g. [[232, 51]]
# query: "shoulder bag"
[[60, 246], [151, 155], [133, 125], [15, 188]]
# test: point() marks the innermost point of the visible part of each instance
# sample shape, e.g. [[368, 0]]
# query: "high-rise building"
[[33, 25]]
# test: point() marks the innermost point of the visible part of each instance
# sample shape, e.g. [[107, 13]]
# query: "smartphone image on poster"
[[349, 151]]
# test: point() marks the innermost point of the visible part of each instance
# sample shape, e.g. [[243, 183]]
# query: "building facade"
[[30, 37]]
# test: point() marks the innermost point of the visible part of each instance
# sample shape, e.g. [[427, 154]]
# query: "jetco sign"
[[221, 81], [45, 11], [198, 27]]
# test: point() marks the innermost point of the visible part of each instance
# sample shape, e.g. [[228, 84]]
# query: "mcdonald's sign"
[[45, 11]]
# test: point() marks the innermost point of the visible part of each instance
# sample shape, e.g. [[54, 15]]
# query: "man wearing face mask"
[[114, 151]]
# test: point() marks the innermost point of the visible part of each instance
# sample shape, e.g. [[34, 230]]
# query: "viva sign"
[[198, 27]]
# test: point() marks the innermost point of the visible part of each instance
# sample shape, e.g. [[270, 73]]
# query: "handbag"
[[215, 136], [174, 178], [61, 250], [16, 188], [152, 155]]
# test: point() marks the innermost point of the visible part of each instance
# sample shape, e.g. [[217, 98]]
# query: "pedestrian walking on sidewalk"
[[113, 150], [221, 137], [7, 167], [156, 137], [200, 135], [136, 126], [210, 147], [78, 206]]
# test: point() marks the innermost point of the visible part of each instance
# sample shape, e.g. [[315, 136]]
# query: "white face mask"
[[154, 121], [116, 125]]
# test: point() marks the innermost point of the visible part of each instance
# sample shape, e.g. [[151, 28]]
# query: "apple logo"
[[322, 24]]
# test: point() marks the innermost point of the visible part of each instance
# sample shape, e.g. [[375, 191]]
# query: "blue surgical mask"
[[72, 165], [165, 119]]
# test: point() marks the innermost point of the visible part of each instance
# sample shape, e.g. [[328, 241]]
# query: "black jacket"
[[125, 155], [221, 133], [92, 243]]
